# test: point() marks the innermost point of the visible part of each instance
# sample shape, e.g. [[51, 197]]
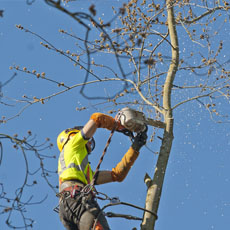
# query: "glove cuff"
[[103, 121], [136, 146], [122, 168]]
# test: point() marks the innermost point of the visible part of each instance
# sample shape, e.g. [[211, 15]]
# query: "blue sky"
[[196, 189]]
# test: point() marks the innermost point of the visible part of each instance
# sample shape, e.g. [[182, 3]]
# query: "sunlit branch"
[[76, 16], [209, 11], [144, 98], [52, 47], [190, 36], [195, 98]]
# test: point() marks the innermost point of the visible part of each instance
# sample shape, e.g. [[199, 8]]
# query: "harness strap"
[[72, 190], [70, 183]]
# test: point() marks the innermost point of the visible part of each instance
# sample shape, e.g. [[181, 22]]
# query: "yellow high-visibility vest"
[[73, 161]]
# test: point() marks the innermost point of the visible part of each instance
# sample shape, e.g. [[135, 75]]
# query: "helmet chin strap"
[[92, 145], [89, 152]]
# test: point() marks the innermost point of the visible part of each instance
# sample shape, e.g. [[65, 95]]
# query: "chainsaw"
[[135, 121]]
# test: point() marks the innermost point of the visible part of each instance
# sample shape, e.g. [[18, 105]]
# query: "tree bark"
[[155, 186]]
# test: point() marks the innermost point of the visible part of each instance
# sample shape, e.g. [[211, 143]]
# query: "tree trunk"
[[155, 185]]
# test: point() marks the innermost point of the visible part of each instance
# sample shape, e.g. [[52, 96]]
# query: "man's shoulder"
[[77, 140]]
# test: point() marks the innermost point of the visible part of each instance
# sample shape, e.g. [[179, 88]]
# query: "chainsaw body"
[[132, 120]]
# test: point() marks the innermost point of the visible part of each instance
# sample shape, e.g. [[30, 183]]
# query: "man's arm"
[[99, 120], [89, 129], [121, 170], [104, 177]]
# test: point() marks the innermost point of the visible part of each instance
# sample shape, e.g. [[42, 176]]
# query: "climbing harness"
[[114, 201]]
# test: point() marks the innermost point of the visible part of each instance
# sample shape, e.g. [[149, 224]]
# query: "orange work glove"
[[105, 121], [121, 170]]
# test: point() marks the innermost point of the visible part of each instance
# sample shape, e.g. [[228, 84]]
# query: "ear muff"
[[92, 143]]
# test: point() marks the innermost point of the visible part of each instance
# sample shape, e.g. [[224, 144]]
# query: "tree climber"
[[77, 211]]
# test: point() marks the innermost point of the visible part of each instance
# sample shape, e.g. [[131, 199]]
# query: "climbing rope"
[[105, 150], [125, 132]]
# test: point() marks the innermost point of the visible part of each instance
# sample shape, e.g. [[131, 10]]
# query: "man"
[[78, 210]]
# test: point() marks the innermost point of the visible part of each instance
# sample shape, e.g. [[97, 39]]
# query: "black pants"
[[79, 213]]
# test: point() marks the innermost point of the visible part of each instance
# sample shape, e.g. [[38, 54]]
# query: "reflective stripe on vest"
[[80, 167]]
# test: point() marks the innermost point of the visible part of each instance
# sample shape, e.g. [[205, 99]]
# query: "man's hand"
[[139, 140], [120, 128]]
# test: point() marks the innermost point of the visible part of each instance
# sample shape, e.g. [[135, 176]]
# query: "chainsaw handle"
[[126, 132]]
